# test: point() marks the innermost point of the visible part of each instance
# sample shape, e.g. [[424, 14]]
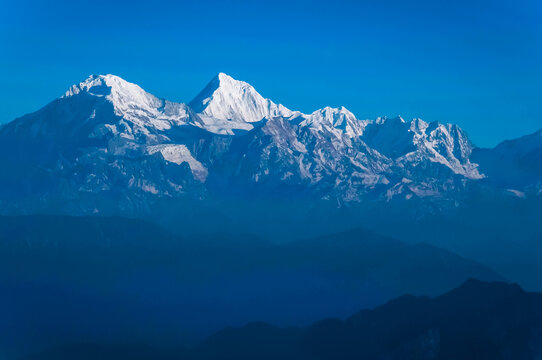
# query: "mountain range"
[[71, 279], [109, 147], [477, 320], [126, 217]]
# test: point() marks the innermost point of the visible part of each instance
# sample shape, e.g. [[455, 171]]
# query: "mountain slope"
[[515, 164]]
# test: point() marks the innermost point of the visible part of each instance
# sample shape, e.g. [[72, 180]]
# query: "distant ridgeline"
[[101, 279], [476, 321]]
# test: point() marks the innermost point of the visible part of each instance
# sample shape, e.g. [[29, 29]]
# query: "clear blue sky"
[[474, 63]]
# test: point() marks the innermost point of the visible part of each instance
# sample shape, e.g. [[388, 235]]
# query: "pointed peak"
[[226, 98], [225, 82], [345, 111], [224, 77], [222, 83], [222, 80]]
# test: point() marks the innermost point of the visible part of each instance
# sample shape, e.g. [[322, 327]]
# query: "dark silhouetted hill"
[[478, 321]]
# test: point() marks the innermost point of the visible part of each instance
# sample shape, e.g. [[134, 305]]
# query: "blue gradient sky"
[[474, 63]]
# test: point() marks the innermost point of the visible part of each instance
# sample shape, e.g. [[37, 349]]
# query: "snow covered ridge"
[[108, 135]]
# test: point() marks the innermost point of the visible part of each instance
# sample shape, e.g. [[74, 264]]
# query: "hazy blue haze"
[[474, 63]]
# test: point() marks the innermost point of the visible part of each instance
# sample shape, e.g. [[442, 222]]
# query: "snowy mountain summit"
[[225, 98], [107, 144]]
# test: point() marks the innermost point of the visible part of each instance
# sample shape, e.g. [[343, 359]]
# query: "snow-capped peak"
[[132, 103], [225, 98], [340, 120], [115, 135], [118, 90], [94, 84]]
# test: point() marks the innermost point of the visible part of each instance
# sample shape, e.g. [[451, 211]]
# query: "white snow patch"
[[517, 193], [179, 154]]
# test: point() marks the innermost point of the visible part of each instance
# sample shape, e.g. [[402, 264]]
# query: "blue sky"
[[474, 63]]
